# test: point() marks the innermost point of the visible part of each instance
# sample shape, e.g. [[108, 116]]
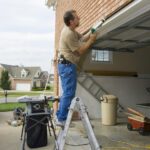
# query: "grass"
[[10, 106], [30, 93]]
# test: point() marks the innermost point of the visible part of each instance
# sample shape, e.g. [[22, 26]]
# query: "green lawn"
[[11, 105], [18, 94]]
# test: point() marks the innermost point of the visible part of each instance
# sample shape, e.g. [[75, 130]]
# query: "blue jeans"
[[68, 77]]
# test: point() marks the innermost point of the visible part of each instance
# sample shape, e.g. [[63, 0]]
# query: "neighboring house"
[[25, 78], [119, 59]]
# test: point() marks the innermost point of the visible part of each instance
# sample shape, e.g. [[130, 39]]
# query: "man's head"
[[71, 19]]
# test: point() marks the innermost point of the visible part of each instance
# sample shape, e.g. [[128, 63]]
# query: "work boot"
[[59, 123]]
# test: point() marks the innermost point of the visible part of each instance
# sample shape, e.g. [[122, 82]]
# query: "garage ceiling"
[[130, 35]]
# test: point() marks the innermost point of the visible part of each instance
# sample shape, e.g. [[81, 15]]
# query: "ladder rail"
[[88, 127], [64, 130]]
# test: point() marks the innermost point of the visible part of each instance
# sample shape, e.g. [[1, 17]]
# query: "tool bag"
[[36, 131]]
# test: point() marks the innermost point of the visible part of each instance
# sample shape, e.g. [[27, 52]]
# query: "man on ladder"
[[70, 49]]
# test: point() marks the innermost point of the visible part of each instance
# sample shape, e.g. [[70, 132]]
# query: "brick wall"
[[89, 11]]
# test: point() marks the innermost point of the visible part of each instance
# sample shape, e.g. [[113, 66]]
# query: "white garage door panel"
[[23, 87]]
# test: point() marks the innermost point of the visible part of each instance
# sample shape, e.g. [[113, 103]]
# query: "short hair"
[[68, 16]]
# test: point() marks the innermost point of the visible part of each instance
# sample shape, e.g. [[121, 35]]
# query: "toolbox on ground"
[[140, 124]]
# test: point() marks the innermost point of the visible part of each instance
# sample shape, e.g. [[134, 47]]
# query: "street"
[[9, 99], [14, 99]]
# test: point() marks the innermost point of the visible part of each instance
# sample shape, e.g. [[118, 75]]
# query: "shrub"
[[37, 89], [48, 88]]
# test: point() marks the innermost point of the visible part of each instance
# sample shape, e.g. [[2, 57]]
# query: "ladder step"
[[97, 91], [91, 86], [84, 80], [94, 89], [100, 94]]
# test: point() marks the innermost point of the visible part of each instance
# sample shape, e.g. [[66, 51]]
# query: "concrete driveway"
[[107, 136], [10, 136]]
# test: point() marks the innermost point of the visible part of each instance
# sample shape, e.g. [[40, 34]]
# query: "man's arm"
[[85, 47], [86, 37]]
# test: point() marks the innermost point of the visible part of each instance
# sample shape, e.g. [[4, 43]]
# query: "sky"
[[27, 32]]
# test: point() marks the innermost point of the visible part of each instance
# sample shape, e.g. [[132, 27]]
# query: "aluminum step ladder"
[[81, 108]]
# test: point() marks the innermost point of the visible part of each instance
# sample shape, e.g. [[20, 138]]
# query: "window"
[[101, 56], [23, 73], [37, 74]]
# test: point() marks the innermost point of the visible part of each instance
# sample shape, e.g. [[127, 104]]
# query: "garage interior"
[[127, 35]]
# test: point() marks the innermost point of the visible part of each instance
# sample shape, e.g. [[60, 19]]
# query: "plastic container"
[[109, 109]]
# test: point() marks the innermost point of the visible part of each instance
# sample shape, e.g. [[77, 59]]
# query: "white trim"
[[130, 12]]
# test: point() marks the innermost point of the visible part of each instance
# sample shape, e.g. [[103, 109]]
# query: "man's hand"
[[84, 48], [93, 36]]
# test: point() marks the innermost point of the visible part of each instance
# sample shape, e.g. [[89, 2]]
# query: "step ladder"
[[88, 83], [81, 108]]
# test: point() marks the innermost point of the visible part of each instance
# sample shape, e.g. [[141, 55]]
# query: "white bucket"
[[109, 109]]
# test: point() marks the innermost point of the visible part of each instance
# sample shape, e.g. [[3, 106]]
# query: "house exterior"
[[25, 78], [118, 61]]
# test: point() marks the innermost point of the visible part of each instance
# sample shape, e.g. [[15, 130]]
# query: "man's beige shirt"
[[69, 43]]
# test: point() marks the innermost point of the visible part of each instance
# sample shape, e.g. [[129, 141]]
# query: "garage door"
[[23, 87]]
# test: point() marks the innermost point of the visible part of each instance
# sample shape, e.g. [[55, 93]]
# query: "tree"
[[5, 82]]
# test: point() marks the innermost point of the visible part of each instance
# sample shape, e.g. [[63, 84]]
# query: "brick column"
[[56, 83]]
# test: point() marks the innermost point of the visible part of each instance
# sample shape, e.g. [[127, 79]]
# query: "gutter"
[[126, 14]]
